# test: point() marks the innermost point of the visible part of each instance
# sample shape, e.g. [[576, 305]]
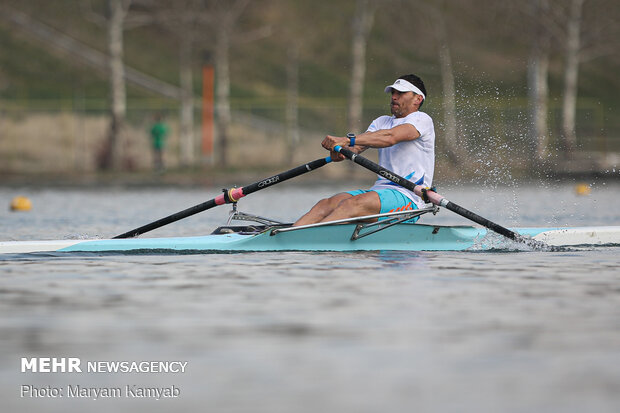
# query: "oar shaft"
[[169, 219], [232, 195], [482, 221], [434, 197]]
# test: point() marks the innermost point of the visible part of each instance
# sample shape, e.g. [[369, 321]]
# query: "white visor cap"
[[404, 86]]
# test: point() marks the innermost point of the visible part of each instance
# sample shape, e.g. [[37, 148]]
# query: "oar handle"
[[229, 196], [434, 197]]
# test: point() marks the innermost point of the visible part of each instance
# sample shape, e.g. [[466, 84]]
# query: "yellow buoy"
[[21, 203], [583, 189]]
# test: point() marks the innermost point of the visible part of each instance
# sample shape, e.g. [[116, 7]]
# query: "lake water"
[[503, 331]]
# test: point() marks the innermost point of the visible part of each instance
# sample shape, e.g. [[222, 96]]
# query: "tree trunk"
[[571, 71], [292, 104], [455, 149], [538, 70], [364, 17], [222, 86], [539, 90], [187, 101], [111, 153]]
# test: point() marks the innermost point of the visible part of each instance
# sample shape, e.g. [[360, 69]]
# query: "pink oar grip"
[[236, 194], [434, 197], [233, 195]]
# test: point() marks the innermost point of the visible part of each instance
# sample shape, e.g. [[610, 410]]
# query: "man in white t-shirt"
[[406, 143]]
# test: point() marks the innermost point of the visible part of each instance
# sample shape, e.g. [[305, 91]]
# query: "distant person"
[[159, 133], [406, 144]]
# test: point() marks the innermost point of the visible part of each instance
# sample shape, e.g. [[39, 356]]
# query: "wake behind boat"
[[392, 232]]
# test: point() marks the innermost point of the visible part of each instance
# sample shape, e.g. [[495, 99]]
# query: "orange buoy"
[[583, 189], [21, 203]]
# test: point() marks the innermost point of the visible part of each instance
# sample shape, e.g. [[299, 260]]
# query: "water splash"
[[493, 241], [82, 236]]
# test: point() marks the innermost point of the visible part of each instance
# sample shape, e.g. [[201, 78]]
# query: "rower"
[[406, 145]]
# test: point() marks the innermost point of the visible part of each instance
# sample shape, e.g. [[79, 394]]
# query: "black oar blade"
[[232, 195]]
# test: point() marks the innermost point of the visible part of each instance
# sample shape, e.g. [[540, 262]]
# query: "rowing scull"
[[391, 233]]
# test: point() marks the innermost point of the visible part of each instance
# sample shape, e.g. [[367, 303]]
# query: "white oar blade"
[[581, 236]]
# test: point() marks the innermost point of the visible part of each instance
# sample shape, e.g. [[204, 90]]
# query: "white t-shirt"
[[413, 160]]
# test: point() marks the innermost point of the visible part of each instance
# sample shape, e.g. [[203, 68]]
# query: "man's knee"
[[335, 200], [361, 204], [347, 202], [327, 204]]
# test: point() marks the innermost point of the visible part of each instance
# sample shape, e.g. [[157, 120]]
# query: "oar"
[[230, 196], [435, 198]]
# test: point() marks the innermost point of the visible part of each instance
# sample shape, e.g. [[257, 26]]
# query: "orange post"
[[207, 111]]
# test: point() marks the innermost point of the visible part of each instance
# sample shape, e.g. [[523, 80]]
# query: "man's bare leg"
[[357, 206], [342, 206], [322, 209]]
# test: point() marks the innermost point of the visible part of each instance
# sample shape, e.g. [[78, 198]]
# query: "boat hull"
[[401, 237], [328, 238]]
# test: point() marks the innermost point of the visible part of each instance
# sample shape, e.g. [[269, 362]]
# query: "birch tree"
[[455, 148], [221, 18], [362, 25], [292, 99], [115, 21], [538, 79], [117, 11], [569, 100], [585, 39], [433, 15], [179, 18], [292, 38]]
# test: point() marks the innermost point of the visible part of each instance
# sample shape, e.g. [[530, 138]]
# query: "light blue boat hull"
[[401, 237]]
